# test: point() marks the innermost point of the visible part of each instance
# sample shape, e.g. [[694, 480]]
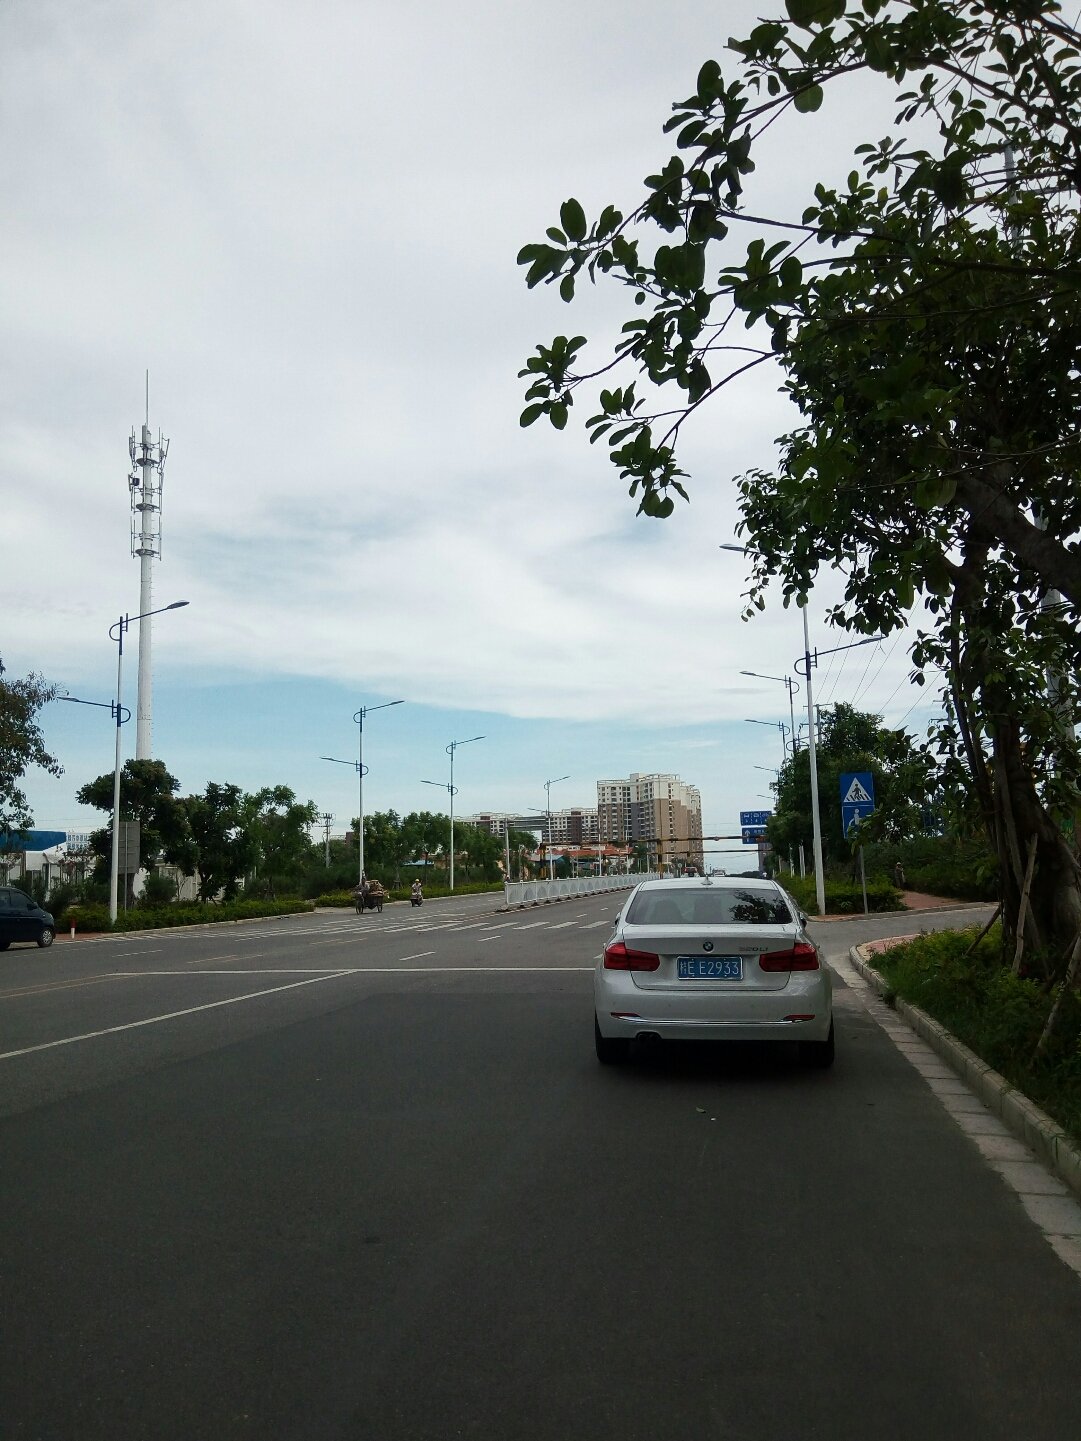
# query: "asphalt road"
[[342, 1177]]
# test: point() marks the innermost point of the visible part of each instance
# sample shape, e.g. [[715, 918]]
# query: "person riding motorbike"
[[416, 894]]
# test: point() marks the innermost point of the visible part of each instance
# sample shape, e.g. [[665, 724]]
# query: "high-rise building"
[[660, 810]]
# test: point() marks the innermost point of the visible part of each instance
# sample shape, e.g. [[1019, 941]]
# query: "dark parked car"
[[22, 919]]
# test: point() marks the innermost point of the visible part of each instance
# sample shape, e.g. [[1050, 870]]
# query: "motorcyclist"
[[416, 893]]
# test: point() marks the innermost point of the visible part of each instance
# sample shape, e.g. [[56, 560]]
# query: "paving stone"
[[1030, 1178], [980, 1123], [967, 1102], [952, 1087], [1003, 1148], [1059, 1215]]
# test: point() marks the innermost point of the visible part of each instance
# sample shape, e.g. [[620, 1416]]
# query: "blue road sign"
[[753, 834], [857, 798], [754, 818]]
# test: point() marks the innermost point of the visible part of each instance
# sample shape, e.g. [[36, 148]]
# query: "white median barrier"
[[533, 893]]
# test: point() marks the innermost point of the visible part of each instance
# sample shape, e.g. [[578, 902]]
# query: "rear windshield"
[[708, 907]]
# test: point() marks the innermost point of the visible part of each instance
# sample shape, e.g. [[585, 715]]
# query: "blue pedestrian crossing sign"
[[857, 798]]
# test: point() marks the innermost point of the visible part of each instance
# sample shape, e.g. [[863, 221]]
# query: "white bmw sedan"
[[714, 958]]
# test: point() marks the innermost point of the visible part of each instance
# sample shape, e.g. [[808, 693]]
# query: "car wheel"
[[611, 1050], [818, 1055], [46, 936]]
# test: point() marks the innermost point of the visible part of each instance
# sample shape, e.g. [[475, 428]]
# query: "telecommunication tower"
[[145, 485]]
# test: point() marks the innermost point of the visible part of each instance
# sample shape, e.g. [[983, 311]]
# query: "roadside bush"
[[96, 917], [963, 870], [842, 897], [998, 1015], [159, 890]]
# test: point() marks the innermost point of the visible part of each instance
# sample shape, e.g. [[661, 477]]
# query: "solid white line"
[[171, 1016]]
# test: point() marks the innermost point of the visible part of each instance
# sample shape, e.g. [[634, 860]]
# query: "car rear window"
[[708, 908]]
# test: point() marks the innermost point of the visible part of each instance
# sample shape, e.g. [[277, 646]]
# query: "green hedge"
[[842, 897], [960, 869], [998, 1015], [401, 893], [96, 917]]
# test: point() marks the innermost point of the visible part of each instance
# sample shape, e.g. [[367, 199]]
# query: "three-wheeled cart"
[[370, 899]]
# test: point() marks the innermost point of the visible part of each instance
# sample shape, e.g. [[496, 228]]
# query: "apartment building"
[[659, 809], [576, 826]]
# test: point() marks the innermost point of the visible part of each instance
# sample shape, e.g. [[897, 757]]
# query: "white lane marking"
[[419, 956], [482, 939], [532, 926], [152, 952], [592, 924], [170, 1016], [564, 925]]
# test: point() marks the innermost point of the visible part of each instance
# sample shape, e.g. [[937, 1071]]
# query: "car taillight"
[[618, 958], [801, 957]]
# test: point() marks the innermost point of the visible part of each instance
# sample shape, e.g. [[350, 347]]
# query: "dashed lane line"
[[169, 1016]]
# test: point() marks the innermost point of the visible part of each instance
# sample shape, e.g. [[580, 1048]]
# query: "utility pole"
[[326, 819]]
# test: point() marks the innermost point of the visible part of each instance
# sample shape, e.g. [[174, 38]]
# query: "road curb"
[[1021, 1116]]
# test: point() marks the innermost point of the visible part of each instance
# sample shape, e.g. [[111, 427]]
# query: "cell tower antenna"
[[145, 486]]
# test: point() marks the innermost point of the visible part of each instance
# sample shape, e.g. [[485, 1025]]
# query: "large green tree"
[[279, 828], [21, 745], [924, 319], [148, 794], [226, 847], [905, 778]]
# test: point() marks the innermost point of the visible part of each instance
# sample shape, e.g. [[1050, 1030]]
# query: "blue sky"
[[304, 221]]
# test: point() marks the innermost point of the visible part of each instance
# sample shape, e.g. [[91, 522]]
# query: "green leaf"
[[566, 288], [558, 415], [806, 13], [808, 99], [709, 78], [573, 219], [529, 415]]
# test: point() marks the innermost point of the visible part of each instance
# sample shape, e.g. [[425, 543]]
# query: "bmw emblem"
[[707, 945]]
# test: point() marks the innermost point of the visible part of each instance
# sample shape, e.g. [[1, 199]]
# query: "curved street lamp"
[[120, 627], [452, 791], [361, 770], [790, 685], [548, 792]]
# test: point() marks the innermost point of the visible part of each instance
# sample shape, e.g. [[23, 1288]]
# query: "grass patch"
[[998, 1015]]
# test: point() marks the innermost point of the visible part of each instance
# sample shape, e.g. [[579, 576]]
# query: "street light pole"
[[816, 819], [810, 660], [548, 791], [359, 718], [790, 685], [779, 725], [120, 627], [452, 791], [361, 770]]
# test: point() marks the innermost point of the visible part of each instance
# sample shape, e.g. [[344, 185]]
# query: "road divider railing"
[[533, 893]]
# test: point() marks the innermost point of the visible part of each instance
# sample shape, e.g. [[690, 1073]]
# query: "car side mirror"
[[802, 918]]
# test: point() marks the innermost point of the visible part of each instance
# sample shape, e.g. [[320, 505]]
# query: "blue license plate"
[[709, 968]]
